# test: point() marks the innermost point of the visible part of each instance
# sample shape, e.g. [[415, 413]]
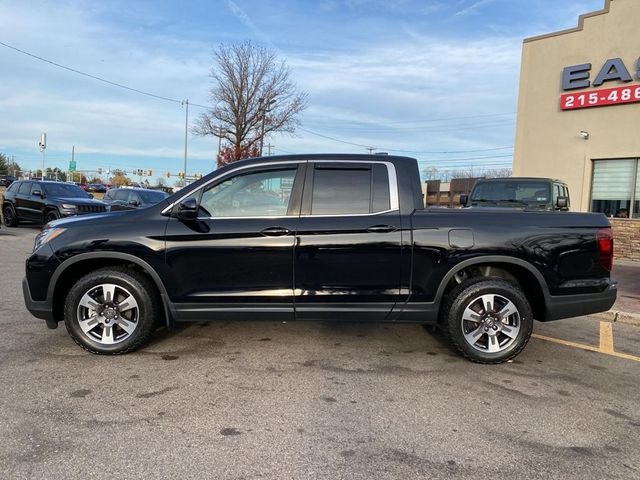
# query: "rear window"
[[151, 196], [529, 192], [25, 188], [13, 187], [352, 190]]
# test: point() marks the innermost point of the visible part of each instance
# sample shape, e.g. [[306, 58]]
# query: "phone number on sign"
[[599, 98]]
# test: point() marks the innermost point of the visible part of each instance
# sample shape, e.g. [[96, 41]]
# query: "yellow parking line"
[[606, 337], [586, 347]]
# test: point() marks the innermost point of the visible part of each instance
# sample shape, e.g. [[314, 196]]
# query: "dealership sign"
[[578, 77]]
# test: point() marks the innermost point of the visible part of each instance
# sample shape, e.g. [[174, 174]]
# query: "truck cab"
[[528, 193]]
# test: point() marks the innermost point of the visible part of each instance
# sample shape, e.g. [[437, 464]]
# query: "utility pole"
[[371, 149], [186, 131], [263, 108], [219, 133], [269, 148], [43, 146]]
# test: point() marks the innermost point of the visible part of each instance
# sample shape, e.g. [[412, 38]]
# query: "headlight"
[[46, 235], [68, 206]]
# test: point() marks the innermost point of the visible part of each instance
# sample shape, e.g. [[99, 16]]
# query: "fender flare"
[[148, 269], [493, 259]]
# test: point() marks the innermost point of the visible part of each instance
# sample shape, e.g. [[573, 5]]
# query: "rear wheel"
[[111, 311], [9, 216], [487, 320]]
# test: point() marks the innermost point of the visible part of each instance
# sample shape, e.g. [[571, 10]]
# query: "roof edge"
[[579, 28]]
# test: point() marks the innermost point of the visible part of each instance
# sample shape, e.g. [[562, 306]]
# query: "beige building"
[[579, 110]]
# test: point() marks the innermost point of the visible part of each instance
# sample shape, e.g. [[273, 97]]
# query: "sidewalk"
[[627, 306]]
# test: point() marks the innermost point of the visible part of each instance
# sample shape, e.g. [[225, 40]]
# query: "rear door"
[[22, 200], [347, 257]]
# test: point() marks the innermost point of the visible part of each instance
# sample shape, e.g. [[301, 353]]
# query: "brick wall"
[[626, 235]]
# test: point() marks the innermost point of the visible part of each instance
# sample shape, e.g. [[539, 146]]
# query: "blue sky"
[[417, 76]]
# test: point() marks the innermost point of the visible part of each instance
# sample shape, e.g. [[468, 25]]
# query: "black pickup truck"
[[319, 237]]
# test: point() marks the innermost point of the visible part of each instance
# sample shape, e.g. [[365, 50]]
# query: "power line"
[[399, 150], [174, 100], [425, 121]]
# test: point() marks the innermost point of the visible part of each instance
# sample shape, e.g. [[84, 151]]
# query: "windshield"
[[511, 191], [150, 196], [63, 190]]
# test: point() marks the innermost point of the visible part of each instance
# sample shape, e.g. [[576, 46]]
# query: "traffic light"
[[99, 170], [149, 173], [180, 175], [139, 172], [168, 174]]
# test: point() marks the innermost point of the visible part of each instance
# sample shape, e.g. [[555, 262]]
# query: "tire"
[[96, 313], [9, 216], [51, 215], [487, 335]]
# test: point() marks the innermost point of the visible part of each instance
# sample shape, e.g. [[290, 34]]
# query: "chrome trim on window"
[[394, 198]]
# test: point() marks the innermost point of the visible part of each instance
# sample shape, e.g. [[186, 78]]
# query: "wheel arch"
[[530, 279], [74, 268]]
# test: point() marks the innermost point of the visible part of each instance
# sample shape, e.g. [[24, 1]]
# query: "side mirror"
[[188, 209], [37, 193], [464, 199], [562, 203], [134, 203]]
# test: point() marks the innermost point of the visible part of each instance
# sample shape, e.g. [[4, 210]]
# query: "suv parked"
[[129, 198], [6, 180], [42, 202], [530, 193]]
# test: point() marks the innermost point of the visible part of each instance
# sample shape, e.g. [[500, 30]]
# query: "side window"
[[121, 195], [25, 188], [557, 192], [350, 190], [263, 193], [13, 188], [36, 186], [108, 195]]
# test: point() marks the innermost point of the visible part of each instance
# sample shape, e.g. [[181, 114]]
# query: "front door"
[[236, 259], [348, 257]]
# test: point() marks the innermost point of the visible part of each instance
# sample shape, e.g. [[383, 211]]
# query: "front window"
[[254, 194], [63, 190], [615, 190]]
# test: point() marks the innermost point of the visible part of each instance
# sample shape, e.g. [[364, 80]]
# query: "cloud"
[[473, 8]]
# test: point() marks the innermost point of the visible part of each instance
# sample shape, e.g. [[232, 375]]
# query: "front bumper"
[[43, 309], [566, 306]]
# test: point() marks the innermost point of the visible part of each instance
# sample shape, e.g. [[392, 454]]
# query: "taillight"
[[604, 239]]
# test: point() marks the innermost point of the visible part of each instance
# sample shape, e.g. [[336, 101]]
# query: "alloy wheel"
[[108, 314], [490, 323]]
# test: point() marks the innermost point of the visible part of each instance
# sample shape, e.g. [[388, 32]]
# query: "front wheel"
[[111, 311], [50, 216], [487, 320]]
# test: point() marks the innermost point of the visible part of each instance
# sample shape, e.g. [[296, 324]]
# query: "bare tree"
[[252, 96]]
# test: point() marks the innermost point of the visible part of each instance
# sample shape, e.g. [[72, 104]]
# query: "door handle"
[[275, 232], [381, 229]]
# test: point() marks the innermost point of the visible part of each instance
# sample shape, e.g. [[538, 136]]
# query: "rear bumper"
[[43, 310], [566, 306]]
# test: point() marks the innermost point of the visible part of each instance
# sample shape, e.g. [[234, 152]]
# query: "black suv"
[[129, 198], [42, 202], [6, 180]]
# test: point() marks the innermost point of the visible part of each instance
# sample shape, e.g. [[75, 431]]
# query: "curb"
[[615, 316]]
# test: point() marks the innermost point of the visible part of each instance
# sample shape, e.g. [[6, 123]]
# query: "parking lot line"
[[606, 337], [605, 346]]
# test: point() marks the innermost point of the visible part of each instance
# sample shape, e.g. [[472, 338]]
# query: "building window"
[[615, 189]]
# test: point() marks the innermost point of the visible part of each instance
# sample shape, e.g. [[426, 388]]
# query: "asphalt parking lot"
[[314, 400]]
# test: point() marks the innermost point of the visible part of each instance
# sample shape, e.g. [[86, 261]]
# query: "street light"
[[263, 109], [42, 145]]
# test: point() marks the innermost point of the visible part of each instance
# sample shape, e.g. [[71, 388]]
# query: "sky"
[[433, 79]]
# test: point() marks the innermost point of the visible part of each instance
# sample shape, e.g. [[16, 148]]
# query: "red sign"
[[600, 98]]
